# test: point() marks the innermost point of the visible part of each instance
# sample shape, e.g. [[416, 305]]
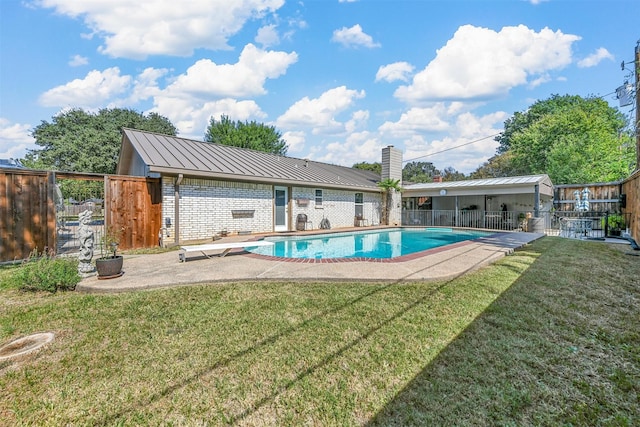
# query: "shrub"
[[616, 221], [45, 272]]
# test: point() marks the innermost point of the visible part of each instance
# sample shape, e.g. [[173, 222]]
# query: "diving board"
[[225, 247]]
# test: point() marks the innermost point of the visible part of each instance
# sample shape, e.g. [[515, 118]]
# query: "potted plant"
[[109, 265], [616, 224]]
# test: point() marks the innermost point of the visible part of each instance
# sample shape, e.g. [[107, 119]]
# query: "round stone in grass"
[[25, 345]]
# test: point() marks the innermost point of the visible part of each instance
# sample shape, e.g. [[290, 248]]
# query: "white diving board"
[[225, 247]]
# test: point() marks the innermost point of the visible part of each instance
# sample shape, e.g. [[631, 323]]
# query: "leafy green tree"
[[497, 166], [80, 141], [419, 172], [522, 120], [570, 138], [450, 174], [373, 167], [256, 136], [388, 185]]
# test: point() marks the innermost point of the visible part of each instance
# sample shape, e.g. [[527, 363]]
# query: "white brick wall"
[[338, 206], [206, 207]]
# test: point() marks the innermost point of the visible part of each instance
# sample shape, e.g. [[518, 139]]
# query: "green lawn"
[[547, 336]]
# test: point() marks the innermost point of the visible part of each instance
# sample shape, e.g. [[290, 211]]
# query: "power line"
[[478, 140], [453, 148]]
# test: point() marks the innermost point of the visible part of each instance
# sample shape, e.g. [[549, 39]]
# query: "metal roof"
[[546, 186], [487, 182], [173, 155]]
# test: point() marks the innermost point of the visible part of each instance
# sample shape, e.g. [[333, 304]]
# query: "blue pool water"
[[382, 244]]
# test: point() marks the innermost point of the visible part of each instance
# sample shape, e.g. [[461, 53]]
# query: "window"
[[318, 198], [359, 200]]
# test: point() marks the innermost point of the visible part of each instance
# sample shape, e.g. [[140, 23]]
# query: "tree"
[[572, 139], [450, 174], [388, 185], [373, 167], [497, 166], [419, 172], [80, 141], [522, 120], [252, 135]]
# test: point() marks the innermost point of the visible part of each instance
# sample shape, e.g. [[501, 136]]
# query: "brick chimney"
[[437, 178], [392, 168]]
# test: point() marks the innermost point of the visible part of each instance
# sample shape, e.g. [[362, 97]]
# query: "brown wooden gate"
[[133, 207], [27, 213]]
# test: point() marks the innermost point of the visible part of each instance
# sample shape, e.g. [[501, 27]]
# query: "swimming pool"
[[377, 244]]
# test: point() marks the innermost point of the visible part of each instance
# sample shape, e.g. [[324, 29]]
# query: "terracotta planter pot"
[[108, 268]]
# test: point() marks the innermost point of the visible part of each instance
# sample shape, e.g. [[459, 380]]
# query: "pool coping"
[[143, 272]]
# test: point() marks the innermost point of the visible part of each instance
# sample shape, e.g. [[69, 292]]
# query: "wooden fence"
[[631, 203], [603, 197], [614, 197], [27, 213], [133, 208]]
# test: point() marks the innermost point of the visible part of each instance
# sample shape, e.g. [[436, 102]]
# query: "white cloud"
[[163, 27], [191, 116], [145, 85], [205, 89], [595, 58], [544, 78], [358, 121], [468, 129], [353, 37], [268, 36], [15, 139], [320, 113], [93, 91], [78, 60], [295, 141], [395, 71], [208, 89], [242, 79], [479, 63], [358, 147], [418, 120]]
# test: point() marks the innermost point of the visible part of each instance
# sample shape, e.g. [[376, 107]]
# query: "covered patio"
[[510, 203]]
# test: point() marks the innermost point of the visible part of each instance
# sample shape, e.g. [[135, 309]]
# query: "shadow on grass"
[[265, 400], [559, 347]]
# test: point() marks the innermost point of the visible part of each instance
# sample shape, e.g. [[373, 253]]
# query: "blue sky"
[[339, 79]]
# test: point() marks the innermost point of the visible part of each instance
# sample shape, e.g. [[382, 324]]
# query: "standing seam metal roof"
[[197, 158], [488, 182]]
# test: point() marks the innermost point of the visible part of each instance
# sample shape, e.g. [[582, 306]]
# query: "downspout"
[[536, 201], [176, 205]]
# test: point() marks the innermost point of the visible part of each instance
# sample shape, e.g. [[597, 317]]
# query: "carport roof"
[[495, 184]]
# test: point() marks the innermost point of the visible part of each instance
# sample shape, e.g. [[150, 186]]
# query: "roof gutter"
[[263, 180]]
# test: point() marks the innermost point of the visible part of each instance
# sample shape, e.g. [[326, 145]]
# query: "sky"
[[339, 79]]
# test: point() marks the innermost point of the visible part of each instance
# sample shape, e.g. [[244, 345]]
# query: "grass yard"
[[547, 336]]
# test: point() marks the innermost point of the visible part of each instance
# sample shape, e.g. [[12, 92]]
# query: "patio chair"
[[360, 221], [301, 222]]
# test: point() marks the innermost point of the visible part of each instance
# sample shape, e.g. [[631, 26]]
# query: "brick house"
[[211, 188]]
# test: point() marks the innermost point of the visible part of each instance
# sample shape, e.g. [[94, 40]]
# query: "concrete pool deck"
[[152, 271]]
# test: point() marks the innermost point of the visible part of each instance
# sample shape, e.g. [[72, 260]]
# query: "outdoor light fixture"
[[167, 222], [443, 192]]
